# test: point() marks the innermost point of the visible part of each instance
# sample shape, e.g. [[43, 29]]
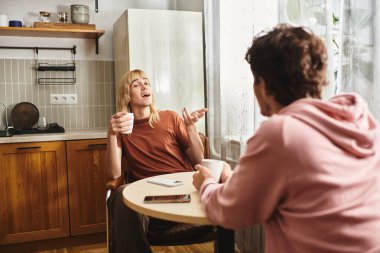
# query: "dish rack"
[[56, 74]]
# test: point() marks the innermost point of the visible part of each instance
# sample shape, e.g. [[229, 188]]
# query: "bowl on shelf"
[[15, 23], [79, 14]]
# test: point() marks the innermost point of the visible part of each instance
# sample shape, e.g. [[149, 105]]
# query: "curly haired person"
[[311, 173]]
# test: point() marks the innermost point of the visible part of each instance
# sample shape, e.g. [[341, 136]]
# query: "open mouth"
[[145, 94]]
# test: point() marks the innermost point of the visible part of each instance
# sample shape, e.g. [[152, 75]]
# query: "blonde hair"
[[124, 97]]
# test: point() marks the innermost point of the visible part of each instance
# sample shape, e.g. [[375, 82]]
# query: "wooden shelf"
[[51, 32]]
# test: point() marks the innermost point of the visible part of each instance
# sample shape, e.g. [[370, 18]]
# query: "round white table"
[[192, 212], [180, 212]]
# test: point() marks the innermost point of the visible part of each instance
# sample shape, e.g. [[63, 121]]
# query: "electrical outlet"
[[71, 99], [63, 99], [55, 99]]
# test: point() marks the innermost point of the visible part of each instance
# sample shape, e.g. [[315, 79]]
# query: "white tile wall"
[[94, 87]]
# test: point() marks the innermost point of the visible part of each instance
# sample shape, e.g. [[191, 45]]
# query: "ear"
[[257, 79], [261, 86]]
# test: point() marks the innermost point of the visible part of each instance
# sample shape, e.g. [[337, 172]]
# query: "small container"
[[63, 17], [42, 122], [15, 23], [45, 16], [4, 20], [80, 14]]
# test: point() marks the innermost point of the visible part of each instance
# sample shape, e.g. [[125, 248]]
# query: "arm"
[[119, 123], [196, 149], [253, 192]]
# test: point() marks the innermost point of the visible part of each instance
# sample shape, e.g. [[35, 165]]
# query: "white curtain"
[[351, 32], [318, 16], [233, 114], [360, 50], [229, 31]]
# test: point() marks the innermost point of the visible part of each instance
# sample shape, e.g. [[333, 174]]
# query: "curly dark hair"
[[291, 60]]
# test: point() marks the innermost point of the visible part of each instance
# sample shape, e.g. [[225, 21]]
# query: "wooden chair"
[[183, 234]]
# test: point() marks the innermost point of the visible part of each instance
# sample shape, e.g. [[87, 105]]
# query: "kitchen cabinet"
[[52, 190], [33, 186], [87, 179]]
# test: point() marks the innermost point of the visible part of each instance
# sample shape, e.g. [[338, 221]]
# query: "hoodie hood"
[[344, 119]]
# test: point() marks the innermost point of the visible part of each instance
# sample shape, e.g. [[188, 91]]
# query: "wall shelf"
[[53, 33]]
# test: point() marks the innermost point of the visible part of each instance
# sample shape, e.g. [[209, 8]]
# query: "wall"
[[94, 89], [109, 11], [95, 82]]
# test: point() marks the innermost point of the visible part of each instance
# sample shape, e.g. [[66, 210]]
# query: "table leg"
[[225, 240]]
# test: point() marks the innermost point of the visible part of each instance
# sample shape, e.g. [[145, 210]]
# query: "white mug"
[[215, 167], [3, 20], [130, 131]]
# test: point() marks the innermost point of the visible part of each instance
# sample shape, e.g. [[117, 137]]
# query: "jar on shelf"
[[45, 16], [63, 17], [80, 14]]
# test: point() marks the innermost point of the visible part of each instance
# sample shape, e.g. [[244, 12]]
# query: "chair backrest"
[[206, 146]]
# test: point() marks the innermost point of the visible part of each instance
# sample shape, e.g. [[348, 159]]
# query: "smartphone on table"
[[177, 198]]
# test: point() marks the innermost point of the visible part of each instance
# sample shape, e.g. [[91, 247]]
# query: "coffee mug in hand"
[[131, 123], [215, 167]]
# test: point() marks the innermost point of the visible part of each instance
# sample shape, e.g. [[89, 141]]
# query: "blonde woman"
[[161, 142]]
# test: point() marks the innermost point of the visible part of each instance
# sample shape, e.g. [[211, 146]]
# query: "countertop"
[[74, 134]]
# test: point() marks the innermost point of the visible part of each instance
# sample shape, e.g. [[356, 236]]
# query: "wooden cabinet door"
[[87, 180], [33, 192]]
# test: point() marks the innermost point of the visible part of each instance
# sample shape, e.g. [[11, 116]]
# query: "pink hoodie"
[[311, 174]]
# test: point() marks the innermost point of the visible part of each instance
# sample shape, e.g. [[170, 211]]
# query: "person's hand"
[[120, 122], [200, 176], [203, 173], [192, 118]]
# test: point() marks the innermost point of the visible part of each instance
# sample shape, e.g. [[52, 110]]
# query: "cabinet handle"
[[97, 146], [35, 147]]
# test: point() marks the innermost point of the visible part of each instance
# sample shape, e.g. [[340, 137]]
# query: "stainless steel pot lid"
[[24, 116]]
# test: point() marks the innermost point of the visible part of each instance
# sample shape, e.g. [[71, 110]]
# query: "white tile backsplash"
[[94, 87]]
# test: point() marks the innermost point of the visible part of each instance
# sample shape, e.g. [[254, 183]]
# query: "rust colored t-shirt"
[[158, 150]]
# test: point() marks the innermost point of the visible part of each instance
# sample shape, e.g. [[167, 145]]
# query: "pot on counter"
[[24, 116]]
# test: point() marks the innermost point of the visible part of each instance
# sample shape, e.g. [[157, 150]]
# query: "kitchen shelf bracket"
[[97, 45]]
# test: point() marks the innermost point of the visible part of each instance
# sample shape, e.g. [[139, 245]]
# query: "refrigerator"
[[168, 45]]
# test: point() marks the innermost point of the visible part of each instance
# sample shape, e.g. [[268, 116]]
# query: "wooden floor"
[[101, 248]]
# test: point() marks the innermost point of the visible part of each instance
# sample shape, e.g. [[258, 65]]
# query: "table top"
[[191, 212]]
